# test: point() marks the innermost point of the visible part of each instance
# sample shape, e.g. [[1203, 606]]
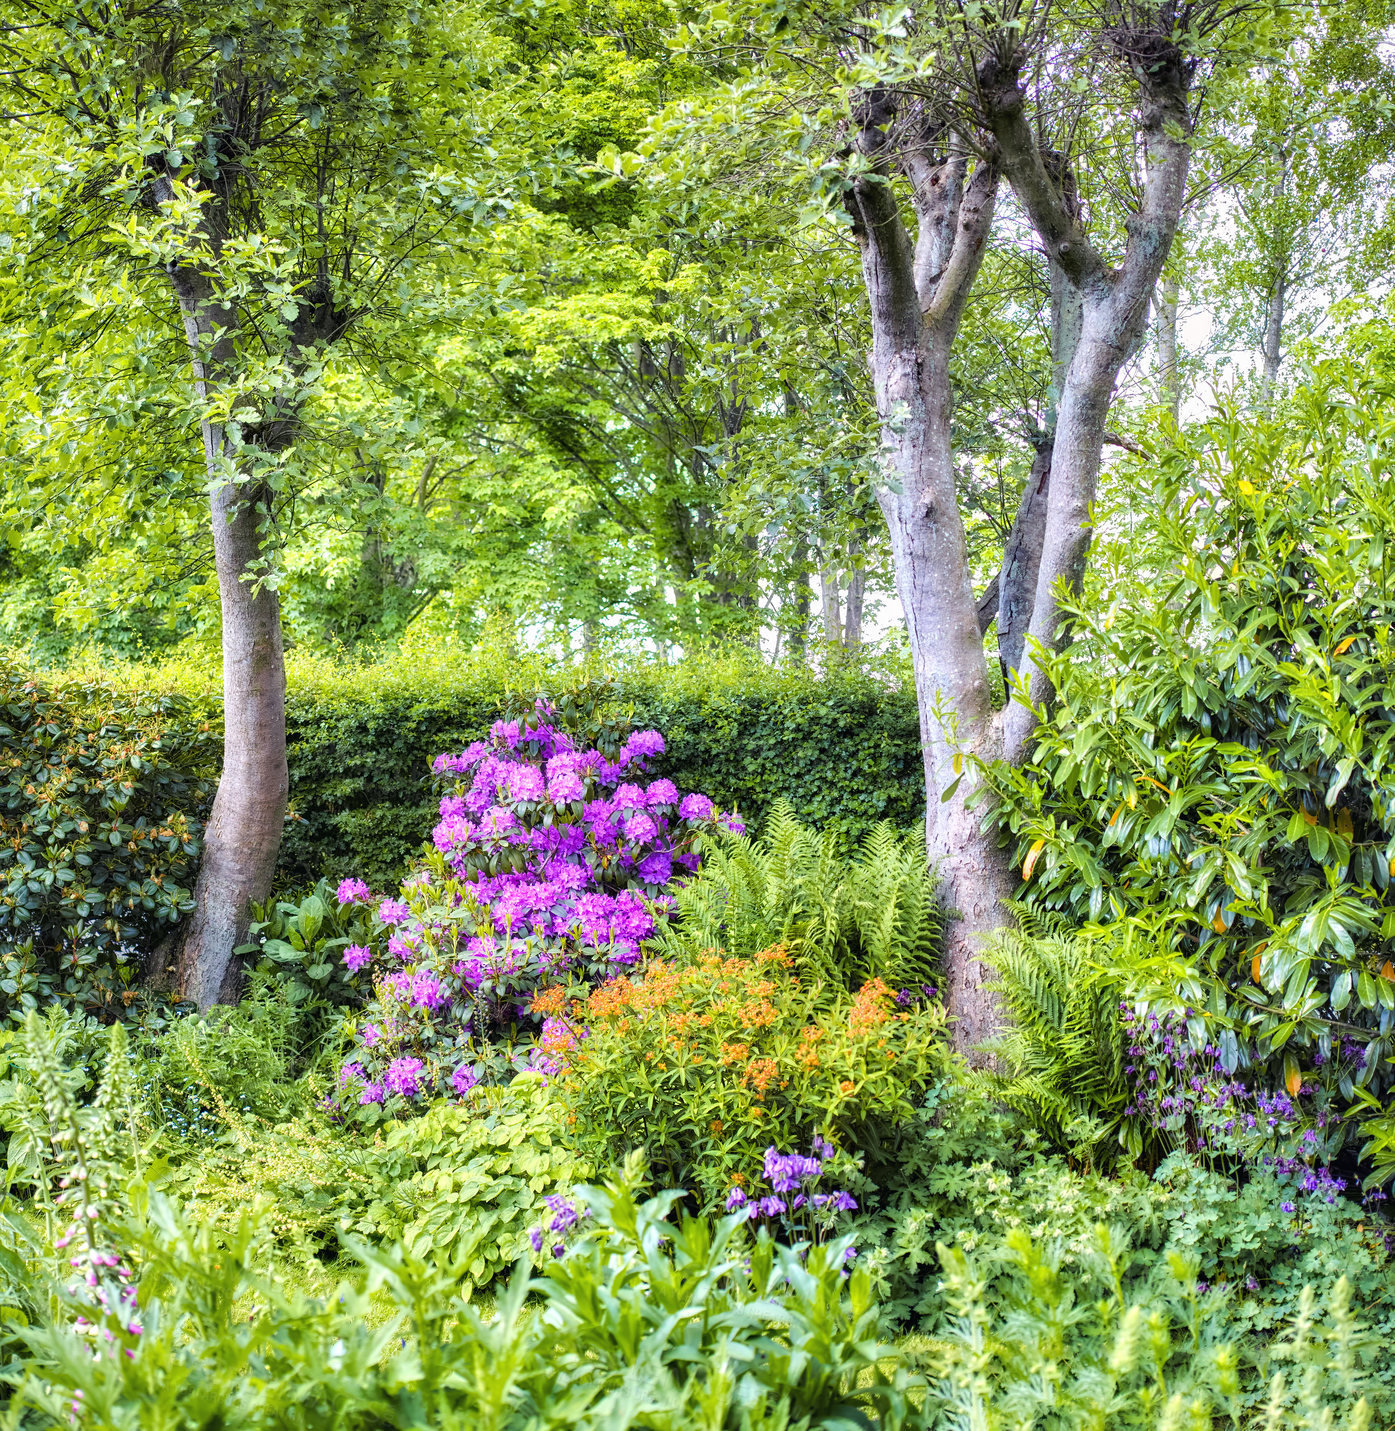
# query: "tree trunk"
[[1274, 334], [244, 829], [1114, 312], [1272, 347], [1169, 373], [798, 624], [829, 609], [1017, 582], [917, 296], [852, 614]]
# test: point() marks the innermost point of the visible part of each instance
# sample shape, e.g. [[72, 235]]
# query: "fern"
[[845, 918], [1061, 1056]]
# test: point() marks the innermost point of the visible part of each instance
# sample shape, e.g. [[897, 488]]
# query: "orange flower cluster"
[[758, 1013], [549, 1002], [807, 1054], [871, 1007], [760, 1074]]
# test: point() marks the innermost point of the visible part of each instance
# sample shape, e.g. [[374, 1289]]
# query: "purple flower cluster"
[[1184, 1090], [565, 1217], [404, 1077], [792, 1199], [551, 861]]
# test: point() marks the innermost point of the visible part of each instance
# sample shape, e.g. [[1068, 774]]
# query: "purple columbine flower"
[[353, 891], [736, 1199]]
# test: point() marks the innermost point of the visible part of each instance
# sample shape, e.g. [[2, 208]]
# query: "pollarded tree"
[[1086, 113], [276, 177]]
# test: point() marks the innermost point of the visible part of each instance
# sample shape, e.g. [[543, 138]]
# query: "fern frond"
[[1061, 1055], [845, 918]]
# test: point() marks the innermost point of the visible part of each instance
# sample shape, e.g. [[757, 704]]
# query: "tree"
[[1296, 151], [941, 109], [277, 174]]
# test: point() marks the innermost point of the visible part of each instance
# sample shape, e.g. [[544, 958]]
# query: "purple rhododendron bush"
[[550, 865]]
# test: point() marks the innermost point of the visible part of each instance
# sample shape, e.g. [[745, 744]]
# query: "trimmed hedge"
[[845, 752], [843, 749]]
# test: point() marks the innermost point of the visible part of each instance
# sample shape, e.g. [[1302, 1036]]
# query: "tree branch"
[[1021, 159]]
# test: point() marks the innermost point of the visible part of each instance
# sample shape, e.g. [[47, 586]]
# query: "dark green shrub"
[[1218, 771], [101, 796], [844, 750]]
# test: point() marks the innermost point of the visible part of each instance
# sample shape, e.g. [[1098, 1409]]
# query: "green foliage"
[[871, 915], [1048, 1354], [101, 796], [240, 1058], [301, 945], [461, 1184], [843, 750], [1061, 1055], [706, 1064], [1216, 770], [645, 1322]]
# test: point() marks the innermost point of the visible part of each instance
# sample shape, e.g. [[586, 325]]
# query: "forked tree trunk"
[[243, 833], [917, 295], [1017, 581], [1114, 313]]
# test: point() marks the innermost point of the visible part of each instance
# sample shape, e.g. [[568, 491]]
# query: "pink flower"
[[393, 911], [353, 891], [356, 956], [696, 807]]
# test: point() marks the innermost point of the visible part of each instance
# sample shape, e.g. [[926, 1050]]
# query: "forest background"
[[578, 331]]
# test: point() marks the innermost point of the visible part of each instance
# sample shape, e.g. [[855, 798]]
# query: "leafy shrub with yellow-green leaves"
[[462, 1185], [705, 1063]]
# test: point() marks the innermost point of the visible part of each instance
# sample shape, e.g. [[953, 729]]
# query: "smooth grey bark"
[[1271, 348], [1017, 580], [1169, 372], [852, 610], [1114, 312], [917, 292], [801, 600], [1274, 333], [243, 833], [1017, 589], [829, 607]]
